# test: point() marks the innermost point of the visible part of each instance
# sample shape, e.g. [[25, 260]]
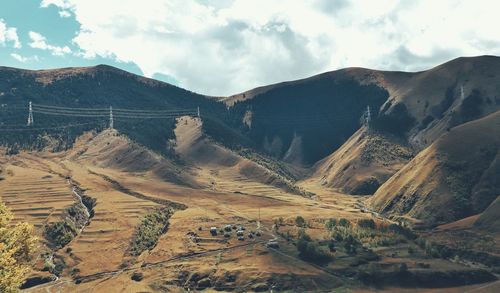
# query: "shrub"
[[59, 266], [398, 229], [330, 223], [311, 251], [48, 266], [279, 221], [331, 246], [315, 253], [299, 221], [344, 222], [350, 244], [367, 223], [148, 232], [137, 276], [60, 233]]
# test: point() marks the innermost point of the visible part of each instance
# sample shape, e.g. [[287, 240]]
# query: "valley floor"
[[38, 187]]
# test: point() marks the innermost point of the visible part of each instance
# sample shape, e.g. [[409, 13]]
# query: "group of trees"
[[17, 244]]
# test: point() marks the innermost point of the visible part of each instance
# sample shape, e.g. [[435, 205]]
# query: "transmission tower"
[[111, 124], [30, 115], [368, 116]]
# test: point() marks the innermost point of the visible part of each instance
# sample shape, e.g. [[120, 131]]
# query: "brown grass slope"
[[455, 177], [214, 161], [363, 163], [110, 149], [433, 98], [419, 106], [489, 220], [422, 106]]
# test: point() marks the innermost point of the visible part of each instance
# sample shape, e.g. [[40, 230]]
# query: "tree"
[[350, 244], [17, 244], [330, 223], [299, 221], [367, 223], [344, 222]]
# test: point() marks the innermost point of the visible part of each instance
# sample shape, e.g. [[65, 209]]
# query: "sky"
[[223, 47]]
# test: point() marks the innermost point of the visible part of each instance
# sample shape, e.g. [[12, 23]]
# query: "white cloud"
[[40, 42], [63, 6], [8, 35], [64, 13], [23, 59], [223, 47]]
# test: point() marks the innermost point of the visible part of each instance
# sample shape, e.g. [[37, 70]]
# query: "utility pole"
[[30, 115], [111, 122]]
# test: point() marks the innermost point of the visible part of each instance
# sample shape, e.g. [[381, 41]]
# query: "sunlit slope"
[[432, 101], [110, 149], [223, 169], [455, 177], [363, 163]]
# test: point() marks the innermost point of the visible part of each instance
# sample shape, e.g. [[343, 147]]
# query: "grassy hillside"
[[489, 220], [92, 87], [321, 112], [429, 102], [455, 177], [363, 163]]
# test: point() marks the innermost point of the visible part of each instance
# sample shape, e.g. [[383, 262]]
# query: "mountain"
[[321, 112], [422, 106], [285, 162], [453, 178], [432, 101], [365, 161], [309, 129], [93, 87]]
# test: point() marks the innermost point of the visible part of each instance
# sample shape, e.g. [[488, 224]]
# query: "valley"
[[250, 195]]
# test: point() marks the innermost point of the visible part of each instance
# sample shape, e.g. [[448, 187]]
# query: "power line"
[[51, 128], [106, 110], [69, 108], [70, 114]]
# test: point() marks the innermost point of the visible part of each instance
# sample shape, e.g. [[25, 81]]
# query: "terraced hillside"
[[104, 243], [34, 195]]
